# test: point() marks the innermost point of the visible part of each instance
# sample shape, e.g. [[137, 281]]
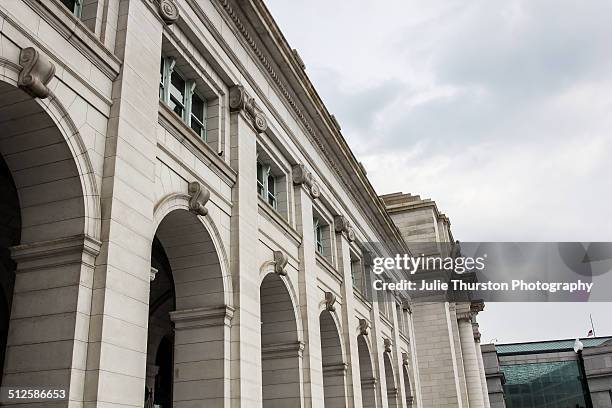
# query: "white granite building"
[[184, 225]]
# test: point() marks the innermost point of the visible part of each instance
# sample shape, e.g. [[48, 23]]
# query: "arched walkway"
[[281, 351], [188, 343], [390, 379], [334, 368], [368, 381], [407, 389], [48, 229]]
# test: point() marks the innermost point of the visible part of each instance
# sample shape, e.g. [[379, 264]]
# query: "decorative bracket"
[[406, 306], [239, 100], [280, 261], [405, 359], [168, 11], [304, 177], [387, 343], [153, 274], [342, 224], [330, 302], [364, 327], [198, 197], [35, 74]]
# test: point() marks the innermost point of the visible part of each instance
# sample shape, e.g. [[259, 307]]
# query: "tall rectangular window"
[[198, 115], [318, 235], [266, 184], [181, 96]]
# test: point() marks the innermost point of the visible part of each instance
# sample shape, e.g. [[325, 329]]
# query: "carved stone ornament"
[[405, 359], [364, 327], [239, 100], [476, 332], [198, 197], [304, 177], [35, 74], [153, 274], [387, 343], [406, 306], [280, 261], [330, 302], [342, 224], [168, 11], [477, 306]]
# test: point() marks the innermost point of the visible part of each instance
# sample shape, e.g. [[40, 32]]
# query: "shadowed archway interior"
[[281, 350], [390, 377], [368, 381], [334, 368], [187, 335]]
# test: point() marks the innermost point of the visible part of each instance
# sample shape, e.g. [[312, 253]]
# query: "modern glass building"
[[550, 374]]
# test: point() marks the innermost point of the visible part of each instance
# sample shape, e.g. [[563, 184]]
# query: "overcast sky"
[[500, 111]]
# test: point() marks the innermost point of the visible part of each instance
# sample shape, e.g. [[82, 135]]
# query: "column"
[[47, 340], [310, 297], [483, 377], [470, 358], [116, 360], [349, 322]]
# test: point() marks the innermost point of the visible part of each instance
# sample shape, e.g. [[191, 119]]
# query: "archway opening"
[[188, 335], [334, 368], [10, 231], [390, 379], [42, 233], [368, 381], [408, 390], [281, 350]]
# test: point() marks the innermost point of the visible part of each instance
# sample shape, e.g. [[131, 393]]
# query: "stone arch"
[[407, 388], [366, 373], [281, 348], [392, 391], [50, 150], [333, 364], [190, 309], [180, 202], [57, 205]]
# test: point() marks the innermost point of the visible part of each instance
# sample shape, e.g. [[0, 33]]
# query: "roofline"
[[348, 167]]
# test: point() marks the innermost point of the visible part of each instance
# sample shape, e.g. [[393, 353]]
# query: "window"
[[266, 184], [181, 96], [75, 6], [318, 235], [357, 273]]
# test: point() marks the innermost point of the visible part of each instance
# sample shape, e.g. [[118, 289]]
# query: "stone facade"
[[184, 225], [447, 339]]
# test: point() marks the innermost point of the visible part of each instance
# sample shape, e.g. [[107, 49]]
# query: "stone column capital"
[[301, 176], [343, 225], [61, 251]]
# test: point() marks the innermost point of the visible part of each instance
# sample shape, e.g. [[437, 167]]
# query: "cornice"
[[355, 172]]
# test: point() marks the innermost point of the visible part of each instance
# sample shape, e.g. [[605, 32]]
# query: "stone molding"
[[343, 225], [202, 317], [63, 251], [298, 59], [465, 316], [476, 306], [301, 176], [35, 74], [338, 369], [330, 302], [280, 262], [283, 350], [168, 11], [240, 100], [198, 197], [369, 382], [476, 331], [364, 327], [387, 345]]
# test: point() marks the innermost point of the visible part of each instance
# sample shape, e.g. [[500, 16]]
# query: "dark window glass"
[[177, 94]]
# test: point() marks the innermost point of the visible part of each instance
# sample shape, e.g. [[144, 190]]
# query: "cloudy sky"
[[501, 111]]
